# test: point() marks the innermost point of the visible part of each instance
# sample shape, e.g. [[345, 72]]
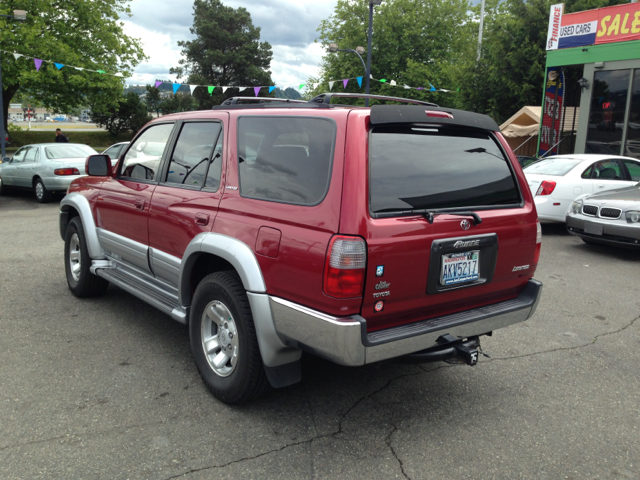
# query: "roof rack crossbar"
[[326, 98], [240, 100]]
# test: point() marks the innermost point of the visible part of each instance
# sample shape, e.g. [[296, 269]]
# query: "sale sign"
[[552, 111], [619, 23]]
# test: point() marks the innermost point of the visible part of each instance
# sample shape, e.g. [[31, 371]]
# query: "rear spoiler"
[[398, 114]]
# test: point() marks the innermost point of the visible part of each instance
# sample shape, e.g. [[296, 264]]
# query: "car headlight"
[[633, 216], [576, 207]]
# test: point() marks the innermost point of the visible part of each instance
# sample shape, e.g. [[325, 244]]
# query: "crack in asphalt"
[[393, 451], [308, 441], [575, 347]]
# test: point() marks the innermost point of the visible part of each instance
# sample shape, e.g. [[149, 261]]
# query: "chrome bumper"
[[344, 340]]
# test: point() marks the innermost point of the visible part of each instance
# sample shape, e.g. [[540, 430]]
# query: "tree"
[[415, 42], [226, 51], [130, 115], [153, 99], [74, 32], [177, 102]]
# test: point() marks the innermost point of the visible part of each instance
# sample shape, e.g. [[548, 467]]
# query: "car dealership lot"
[[107, 387]]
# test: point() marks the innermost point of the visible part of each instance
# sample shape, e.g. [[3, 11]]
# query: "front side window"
[[215, 167], [20, 154], [285, 159], [193, 153], [437, 167], [143, 157], [31, 154]]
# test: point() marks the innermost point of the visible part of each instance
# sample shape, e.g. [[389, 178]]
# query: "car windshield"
[[68, 151], [427, 168], [553, 166]]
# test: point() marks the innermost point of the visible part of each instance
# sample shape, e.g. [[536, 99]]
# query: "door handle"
[[139, 203], [600, 186], [202, 218]]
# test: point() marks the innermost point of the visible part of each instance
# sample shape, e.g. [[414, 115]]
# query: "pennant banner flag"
[[392, 82], [176, 86], [17, 55], [302, 85], [38, 62], [344, 82], [271, 89], [359, 81], [158, 84], [192, 88], [432, 89], [331, 85], [78, 68], [224, 89], [257, 90], [58, 65], [210, 89]]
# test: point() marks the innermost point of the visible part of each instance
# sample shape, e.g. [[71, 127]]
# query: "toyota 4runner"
[[354, 234]]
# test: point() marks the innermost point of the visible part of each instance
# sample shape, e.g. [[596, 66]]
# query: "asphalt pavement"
[[107, 388]]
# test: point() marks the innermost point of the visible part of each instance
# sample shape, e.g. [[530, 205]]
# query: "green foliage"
[[226, 51], [129, 116], [81, 33], [415, 42], [177, 102], [153, 99], [98, 139]]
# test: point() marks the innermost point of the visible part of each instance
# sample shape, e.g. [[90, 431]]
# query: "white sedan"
[[556, 182]]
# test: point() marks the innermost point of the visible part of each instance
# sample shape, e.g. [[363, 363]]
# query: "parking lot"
[[107, 388]]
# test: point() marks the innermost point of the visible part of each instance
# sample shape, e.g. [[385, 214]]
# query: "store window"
[[606, 119], [632, 143]]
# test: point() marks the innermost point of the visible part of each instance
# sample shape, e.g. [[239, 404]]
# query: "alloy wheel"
[[220, 338]]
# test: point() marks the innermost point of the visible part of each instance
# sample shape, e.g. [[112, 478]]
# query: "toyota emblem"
[[465, 225]]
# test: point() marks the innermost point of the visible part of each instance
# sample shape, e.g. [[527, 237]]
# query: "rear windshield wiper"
[[429, 214]]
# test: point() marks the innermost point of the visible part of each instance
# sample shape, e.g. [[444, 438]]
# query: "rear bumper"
[[59, 183], [344, 340]]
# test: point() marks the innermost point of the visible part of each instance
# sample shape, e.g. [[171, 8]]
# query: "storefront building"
[[602, 48]]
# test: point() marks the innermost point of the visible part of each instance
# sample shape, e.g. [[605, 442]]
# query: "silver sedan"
[[610, 218], [45, 168]]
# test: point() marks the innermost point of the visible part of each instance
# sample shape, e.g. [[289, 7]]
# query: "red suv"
[[355, 234]]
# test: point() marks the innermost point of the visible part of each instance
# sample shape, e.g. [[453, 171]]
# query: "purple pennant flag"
[[344, 82], [420, 88], [38, 62], [158, 84], [257, 90]]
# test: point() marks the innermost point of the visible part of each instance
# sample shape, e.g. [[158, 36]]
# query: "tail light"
[[536, 256], [345, 267], [66, 171], [546, 188]]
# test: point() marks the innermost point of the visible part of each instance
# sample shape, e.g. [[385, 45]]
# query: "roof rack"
[[253, 100], [325, 98]]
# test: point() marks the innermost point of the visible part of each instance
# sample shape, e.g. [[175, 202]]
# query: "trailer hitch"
[[450, 349]]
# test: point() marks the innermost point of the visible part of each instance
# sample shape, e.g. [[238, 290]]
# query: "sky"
[[288, 25]]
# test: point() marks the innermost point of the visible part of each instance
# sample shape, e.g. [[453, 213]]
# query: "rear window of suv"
[[285, 159], [437, 168]]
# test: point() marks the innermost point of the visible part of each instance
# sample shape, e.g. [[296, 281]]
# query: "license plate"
[[460, 267], [593, 228]]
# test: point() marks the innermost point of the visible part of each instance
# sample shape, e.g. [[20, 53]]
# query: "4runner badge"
[[382, 285], [468, 243]]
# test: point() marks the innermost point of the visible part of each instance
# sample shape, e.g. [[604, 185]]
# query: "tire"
[[230, 364], [77, 262], [3, 188], [42, 194]]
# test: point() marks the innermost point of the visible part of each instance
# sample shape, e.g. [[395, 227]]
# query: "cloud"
[[288, 25]]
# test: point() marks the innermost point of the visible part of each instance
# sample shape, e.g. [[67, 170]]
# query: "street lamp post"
[[371, 4], [20, 16], [333, 48]]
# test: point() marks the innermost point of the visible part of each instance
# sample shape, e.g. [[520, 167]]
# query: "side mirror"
[[98, 166]]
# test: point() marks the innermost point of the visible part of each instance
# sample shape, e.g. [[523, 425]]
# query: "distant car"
[[114, 151], [557, 181], [46, 168], [6, 141], [610, 218]]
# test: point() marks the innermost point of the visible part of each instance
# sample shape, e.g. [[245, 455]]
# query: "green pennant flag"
[[101, 71], [458, 89], [384, 80], [210, 90], [301, 86]]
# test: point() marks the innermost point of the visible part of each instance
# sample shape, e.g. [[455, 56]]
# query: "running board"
[[145, 287]]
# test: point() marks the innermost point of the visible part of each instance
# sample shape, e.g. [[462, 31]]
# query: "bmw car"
[[609, 218]]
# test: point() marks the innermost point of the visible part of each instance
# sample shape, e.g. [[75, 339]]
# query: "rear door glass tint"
[[285, 159], [417, 168]]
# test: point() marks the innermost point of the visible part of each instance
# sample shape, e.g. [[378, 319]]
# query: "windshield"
[[69, 151], [437, 167], [553, 166]]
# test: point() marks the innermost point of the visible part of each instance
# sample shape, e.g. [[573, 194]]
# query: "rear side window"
[[285, 159], [553, 166], [433, 168]]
